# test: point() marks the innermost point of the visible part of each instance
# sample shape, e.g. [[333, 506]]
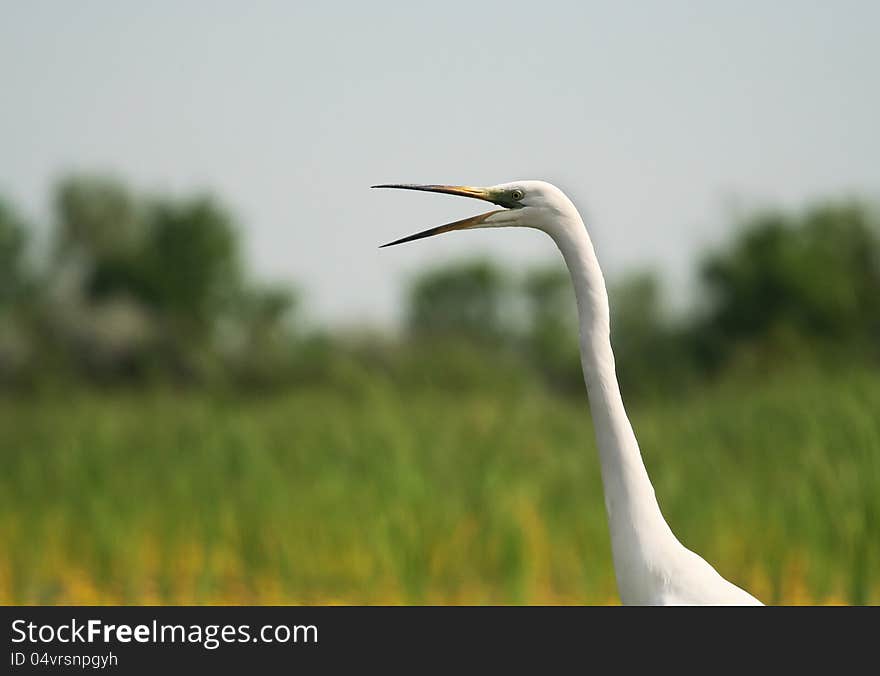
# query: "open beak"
[[462, 190]]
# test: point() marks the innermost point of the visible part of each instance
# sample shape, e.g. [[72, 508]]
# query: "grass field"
[[380, 496]]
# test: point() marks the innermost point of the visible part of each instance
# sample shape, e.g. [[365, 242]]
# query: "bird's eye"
[[516, 194]]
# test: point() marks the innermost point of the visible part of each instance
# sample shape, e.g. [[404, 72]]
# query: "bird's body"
[[652, 567]]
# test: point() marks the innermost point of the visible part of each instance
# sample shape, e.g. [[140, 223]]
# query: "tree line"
[[785, 288], [133, 288]]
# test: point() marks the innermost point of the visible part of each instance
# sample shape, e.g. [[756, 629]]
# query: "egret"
[[651, 566]]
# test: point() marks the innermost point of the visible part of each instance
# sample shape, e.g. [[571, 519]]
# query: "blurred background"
[[214, 388]]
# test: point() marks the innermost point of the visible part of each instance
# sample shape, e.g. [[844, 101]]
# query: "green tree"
[[13, 243], [191, 264], [18, 292], [468, 300], [97, 218], [651, 351], [814, 278], [180, 258], [147, 281], [551, 332]]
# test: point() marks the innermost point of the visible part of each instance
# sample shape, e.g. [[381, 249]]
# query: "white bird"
[[651, 566]]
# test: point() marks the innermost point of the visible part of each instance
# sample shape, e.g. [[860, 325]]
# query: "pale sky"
[[653, 116]]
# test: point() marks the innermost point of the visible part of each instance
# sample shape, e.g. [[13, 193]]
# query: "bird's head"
[[526, 204]]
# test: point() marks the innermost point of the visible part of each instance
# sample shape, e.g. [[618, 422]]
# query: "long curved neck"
[[639, 533]]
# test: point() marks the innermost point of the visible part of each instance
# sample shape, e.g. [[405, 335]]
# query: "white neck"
[[640, 537]]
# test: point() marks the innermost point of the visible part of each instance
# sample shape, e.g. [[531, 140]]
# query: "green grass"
[[378, 495]]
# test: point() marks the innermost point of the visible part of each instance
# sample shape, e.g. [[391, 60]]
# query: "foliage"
[[97, 218], [141, 288], [551, 333], [13, 242], [651, 350], [464, 299], [814, 276]]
